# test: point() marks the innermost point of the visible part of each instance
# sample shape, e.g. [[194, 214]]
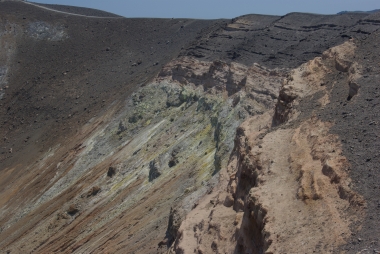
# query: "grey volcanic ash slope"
[[255, 135]]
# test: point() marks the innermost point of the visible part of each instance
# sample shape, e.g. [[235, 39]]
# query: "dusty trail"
[[71, 14]]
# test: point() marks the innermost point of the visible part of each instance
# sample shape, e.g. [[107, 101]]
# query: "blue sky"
[[211, 9]]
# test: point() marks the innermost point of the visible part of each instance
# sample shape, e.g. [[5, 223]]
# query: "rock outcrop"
[[252, 135], [286, 180]]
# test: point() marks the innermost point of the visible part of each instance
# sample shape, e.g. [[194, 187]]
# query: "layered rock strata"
[[252, 135], [286, 179], [171, 138]]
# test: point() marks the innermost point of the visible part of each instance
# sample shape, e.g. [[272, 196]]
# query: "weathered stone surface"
[[155, 135]]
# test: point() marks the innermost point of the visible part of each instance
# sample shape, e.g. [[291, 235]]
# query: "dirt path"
[[72, 14]]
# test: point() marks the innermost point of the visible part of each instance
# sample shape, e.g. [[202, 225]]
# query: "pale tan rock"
[[289, 185]]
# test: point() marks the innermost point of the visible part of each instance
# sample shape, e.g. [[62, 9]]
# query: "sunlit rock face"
[[166, 145], [285, 165], [251, 135]]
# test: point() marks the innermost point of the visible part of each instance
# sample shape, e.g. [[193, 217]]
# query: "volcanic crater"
[[258, 134]]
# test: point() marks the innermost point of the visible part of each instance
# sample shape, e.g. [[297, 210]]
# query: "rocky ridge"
[[234, 142], [286, 177]]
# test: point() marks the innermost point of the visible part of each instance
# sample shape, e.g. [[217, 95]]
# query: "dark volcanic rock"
[[111, 172], [161, 100], [154, 170], [276, 41], [68, 55], [72, 210]]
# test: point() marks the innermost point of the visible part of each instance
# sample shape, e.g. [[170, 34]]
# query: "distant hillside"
[[79, 10], [344, 12]]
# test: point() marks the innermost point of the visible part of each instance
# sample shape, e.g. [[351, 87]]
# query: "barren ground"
[[258, 134]]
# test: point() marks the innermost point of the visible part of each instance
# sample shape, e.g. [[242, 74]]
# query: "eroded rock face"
[[205, 152], [225, 78], [179, 138], [284, 183], [309, 79]]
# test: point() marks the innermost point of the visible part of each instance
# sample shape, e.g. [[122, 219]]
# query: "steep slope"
[[287, 188], [85, 62], [62, 76], [152, 136], [288, 178]]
